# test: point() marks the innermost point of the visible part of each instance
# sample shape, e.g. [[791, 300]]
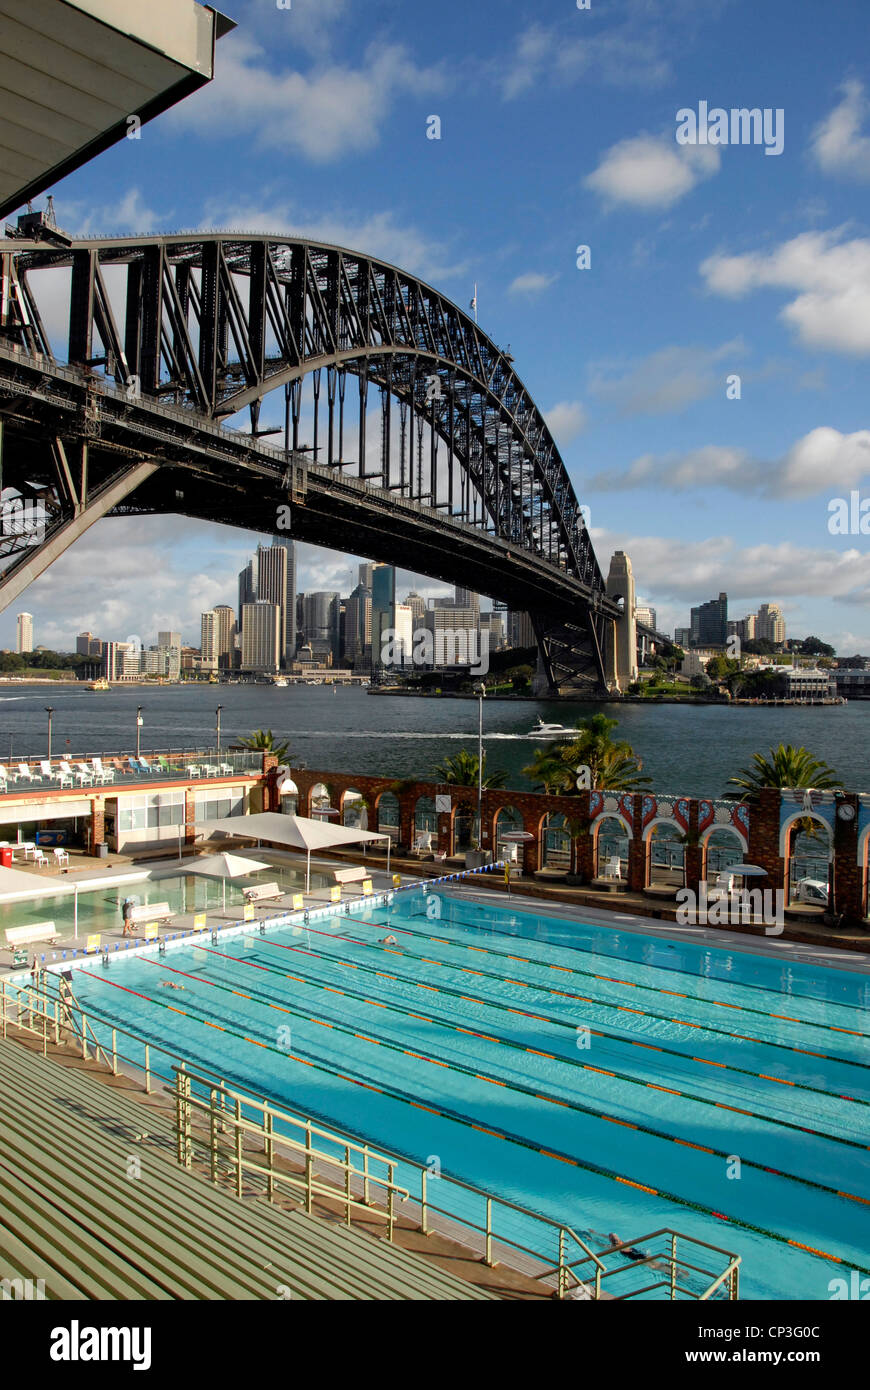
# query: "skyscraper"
[[262, 637], [290, 625], [247, 586], [358, 627], [417, 605], [710, 623], [464, 598], [365, 574], [25, 632], [769, 623], [383, 607]]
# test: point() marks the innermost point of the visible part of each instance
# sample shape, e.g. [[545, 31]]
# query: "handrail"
[[35, 1004]]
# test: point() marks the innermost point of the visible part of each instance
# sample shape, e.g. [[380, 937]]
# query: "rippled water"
[[687, 749]]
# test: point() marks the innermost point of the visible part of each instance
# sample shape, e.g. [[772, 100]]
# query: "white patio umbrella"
[[224, 866]]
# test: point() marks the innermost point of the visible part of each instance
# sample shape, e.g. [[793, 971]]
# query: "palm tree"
[[786, 766], [263, 740], [613, 764], [461, 770]]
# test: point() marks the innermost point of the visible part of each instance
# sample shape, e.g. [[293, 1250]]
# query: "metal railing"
[[544, 1249]]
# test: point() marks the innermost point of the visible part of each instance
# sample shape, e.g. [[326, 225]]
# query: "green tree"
[[613, 764], [264, 739], [721, 668], [785, 766], [460, 770]]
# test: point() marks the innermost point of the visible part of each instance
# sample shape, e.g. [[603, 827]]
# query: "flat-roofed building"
[[261, 637]]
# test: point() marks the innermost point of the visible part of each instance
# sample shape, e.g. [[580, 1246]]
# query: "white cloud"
[[130, 214], [824, 460], [622, 57], [329, 112], [838, 146], [532, 282], [651, 172], [831, 276], [667, 380], [565, 421]]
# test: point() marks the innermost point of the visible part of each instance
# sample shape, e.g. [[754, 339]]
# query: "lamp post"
[[139, 709], [218, 726], [49, 709], [480, 692]]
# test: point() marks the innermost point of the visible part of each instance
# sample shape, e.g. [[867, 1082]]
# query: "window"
[[150, 811], [214, 805]]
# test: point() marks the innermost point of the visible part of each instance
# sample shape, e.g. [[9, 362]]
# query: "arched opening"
[[556, 844], [464, 828], [611, 849], [354, 813], [720, 849], [810, 853], [288, 795], [425, 825], [508, 820], [666, 856], [320, 797], [389, 816]]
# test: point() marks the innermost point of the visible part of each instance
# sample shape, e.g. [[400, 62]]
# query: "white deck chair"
[[24, 773], [613, 868], [102, 774]]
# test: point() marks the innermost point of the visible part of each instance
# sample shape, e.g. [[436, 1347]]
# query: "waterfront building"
[[88, 645], [456, 635], [358, 627], [319, 626], [25, 633], [852, 682], [770, 623], [170, 642], [247, 586], [262, 633], [272, 587]]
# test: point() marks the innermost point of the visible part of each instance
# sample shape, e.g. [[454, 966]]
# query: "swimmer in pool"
[[170, 984], [389, 941]]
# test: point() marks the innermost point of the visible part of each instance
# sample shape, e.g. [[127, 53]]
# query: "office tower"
[[291, 625], [365, 574], [226, 635], [262, 637], [404, 634], [770, 623], [493, 623], [171, 643], [417, 605], [272, 587], [247, 586], [682, 636], [88, 645], [383, 607], [464, 598], [208, 640], [520, 630], [455, 633], [710, 623], [358, 627], [25, 632], [645, 615]]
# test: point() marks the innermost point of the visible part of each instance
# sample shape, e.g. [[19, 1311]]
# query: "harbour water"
[[685, 749]]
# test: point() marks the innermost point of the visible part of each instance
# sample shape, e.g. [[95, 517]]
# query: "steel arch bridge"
[[407, 436]]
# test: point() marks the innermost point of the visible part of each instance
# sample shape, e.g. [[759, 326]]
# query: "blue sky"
[[557, 129]]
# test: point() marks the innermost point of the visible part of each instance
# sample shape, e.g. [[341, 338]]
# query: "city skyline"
[[706, 264]]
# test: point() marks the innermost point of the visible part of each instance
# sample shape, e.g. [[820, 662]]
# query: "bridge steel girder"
[[214, 322]]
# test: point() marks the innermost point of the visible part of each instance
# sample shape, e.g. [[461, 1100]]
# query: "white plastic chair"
[[65, 774], [102, 774], [614, 867], [24, 773], [61, 856], [40, 858], [84, 775]]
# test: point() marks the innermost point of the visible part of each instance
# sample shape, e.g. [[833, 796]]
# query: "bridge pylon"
[[621, 650]]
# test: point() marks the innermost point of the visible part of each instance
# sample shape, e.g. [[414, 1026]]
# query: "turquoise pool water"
[[618, 1082]]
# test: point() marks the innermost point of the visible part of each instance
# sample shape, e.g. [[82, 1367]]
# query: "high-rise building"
[[208, 640], [25, 632], [272, 567], [383, 607], [682, 637], [320, 623], [493, 623], [171, 643], [404, 633], [226, 636], [88, 645], [365, 574], [710, 623], [455, 633], [247, 586], [770, 623], [290, 622], [262, 637], [744, 628], [521, 633], [358, 627], [417, 605], [645, 615], [464, 598]]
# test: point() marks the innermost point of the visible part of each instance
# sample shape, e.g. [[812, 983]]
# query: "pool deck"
[[810, 943]]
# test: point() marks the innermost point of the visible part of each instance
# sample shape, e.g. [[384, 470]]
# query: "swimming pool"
[[610, 1080]]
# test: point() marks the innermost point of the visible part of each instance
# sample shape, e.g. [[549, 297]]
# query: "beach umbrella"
[[225, 866]]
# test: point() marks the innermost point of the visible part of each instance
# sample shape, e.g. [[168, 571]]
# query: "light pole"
[[480, 692], [49, 709], [218, 728], [139, 709]]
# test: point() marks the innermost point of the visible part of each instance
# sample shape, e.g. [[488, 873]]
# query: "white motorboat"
[[553, 730]]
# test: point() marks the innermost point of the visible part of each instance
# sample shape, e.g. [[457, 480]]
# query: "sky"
[[705, 376]]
